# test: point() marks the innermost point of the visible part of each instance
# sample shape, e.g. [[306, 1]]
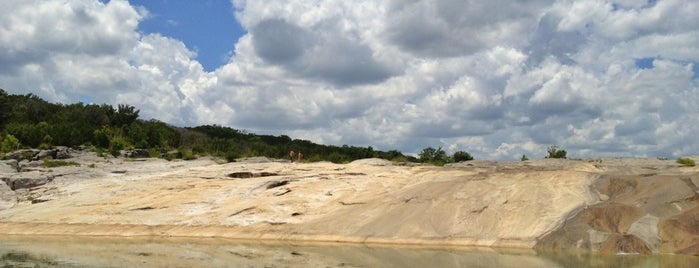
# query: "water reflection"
[[179, 252]]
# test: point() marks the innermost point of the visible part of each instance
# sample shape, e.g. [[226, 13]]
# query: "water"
[[179, 252]]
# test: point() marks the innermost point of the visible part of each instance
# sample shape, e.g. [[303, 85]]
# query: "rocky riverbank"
[[603, 205]]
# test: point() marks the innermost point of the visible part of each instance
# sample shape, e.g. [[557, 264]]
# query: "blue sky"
[[496, 78], [208, 26]]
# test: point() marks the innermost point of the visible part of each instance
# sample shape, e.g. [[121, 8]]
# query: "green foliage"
[[400, 159], [186, 154], [116, 145], [231, 156], [556, 152], [460, 156], [34, 123], [686, 161], [9, 143], [337, 158], [124, 115], [434, 156], [58, 163], [524, 157], [46, 142]]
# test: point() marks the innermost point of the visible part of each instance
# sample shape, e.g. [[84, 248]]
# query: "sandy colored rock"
[[608, 205]]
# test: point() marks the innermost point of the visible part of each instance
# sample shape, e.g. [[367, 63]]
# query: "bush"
[[46, 142], [434, 156], [231, 156], [58, 163], [116, 145], [686, 161], [524, 157], [186, 154], [400, 159], [462, 156], [555, 152], [9, 143]]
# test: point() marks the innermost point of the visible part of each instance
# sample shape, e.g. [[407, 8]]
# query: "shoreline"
[[238, 233]]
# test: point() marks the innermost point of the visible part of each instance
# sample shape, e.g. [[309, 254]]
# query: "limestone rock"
[[27, 180], [137, 153], [605, 205], [63, 152], [9, 166], [8, 198], [44, 154]]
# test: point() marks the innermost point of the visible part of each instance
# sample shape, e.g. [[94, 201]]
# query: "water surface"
[[61, 251]]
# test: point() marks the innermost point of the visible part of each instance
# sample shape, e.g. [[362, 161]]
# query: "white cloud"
[[497, 79]]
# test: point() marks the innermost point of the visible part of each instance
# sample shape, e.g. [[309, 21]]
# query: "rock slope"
[[605, 205]]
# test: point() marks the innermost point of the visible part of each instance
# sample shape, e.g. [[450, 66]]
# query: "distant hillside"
[[27, 121]]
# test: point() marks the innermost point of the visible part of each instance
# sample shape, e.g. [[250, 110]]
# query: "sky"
[[498, 79]]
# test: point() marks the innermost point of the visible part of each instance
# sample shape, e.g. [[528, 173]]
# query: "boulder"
[[45, 154], [8, 198], [27, 180], [137, 153], [9, 166], [19, 155], [63, 152]]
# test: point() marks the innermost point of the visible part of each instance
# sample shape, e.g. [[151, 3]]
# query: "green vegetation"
[[524, 157], [58, 163], [438, 157], [8, 143], [556, 152], [26, 121], [686, 161]]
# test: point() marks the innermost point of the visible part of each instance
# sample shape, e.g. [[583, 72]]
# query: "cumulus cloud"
[[495, 78], [452, 28]]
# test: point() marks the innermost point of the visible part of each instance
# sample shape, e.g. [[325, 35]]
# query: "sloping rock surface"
[[605, 205]]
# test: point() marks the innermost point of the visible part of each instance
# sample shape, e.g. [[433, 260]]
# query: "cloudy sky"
[[497, 78]]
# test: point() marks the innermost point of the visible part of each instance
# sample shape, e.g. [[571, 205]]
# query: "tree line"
[[27, 121]]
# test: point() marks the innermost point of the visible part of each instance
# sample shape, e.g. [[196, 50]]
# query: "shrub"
[[186, 154], [400, 159], [524, 157], [231, 156], [46, 142], [686, 161], [462, 156], [556, 152], [116, 145], [58, 163], [434, 156], [101, 137], [9, 143]]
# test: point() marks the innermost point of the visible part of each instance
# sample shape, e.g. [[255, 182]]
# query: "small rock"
[[45, 154], [137, 153]]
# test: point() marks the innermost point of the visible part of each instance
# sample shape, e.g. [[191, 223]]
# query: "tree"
[[434, 156], [524, 157], [556, 152], [124, 115], [462, 156]]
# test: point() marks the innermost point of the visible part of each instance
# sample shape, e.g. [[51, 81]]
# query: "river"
[[62, 251]]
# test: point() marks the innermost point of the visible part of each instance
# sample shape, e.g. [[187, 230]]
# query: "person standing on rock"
[[291, 156], [300, 156]]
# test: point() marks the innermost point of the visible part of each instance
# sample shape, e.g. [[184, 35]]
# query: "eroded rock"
[[9, 166], [27, 180]]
